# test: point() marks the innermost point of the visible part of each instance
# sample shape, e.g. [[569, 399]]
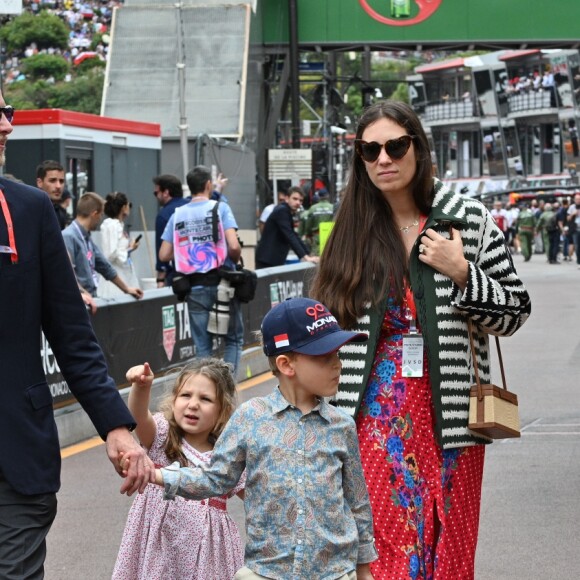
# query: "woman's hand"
[[445, 256]]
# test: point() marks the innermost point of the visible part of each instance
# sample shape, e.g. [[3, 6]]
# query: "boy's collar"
[[280, 403]]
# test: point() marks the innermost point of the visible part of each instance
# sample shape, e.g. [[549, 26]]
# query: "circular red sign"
[[426, 9]]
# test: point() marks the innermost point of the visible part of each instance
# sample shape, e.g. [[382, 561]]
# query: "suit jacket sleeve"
[[286, 228]]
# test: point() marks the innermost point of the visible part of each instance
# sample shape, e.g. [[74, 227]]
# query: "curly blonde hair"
[[220, 373]]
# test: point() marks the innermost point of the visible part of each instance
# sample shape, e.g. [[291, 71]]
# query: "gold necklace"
[[405, 229]]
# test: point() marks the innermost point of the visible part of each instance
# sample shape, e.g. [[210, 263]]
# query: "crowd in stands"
[[84, 19]]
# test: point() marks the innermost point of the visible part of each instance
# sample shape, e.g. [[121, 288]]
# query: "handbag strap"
[[472, 345], [476, 367]]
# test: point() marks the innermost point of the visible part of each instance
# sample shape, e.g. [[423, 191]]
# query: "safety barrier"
[[156, 328]]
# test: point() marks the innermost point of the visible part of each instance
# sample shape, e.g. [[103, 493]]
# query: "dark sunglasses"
[[8, 112], [395, 148]]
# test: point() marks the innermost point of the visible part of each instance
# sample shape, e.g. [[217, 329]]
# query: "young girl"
[[181, 538]]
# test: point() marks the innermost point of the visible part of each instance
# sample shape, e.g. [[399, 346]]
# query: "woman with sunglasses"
[[116, 244], [409, 262]]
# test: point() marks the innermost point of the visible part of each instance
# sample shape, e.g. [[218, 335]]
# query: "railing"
[[451, 109], [157, 329], [533, 100]]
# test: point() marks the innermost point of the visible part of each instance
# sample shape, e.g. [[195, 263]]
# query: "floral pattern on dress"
[[181, 538], [386, 422]]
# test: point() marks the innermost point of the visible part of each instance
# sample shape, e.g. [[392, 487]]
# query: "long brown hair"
[[220, 373], [365, 253]]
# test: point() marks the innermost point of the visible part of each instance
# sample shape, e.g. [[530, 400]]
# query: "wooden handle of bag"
[[475, 365]]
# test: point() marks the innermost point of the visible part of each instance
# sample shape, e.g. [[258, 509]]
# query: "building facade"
[[502, 119]]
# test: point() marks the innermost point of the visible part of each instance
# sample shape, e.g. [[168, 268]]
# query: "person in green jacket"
[[525, 228], [320, 212], [548, 227]]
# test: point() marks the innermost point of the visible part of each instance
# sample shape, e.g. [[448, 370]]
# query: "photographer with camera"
[[201, 239]]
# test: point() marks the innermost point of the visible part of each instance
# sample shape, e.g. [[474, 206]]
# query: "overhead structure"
[[425, 24], [155, 43]]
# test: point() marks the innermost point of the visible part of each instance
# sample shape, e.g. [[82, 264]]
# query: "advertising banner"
[[156, 329], [387, 22]]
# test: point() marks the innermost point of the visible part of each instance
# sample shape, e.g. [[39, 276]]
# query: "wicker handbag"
[[493, 411]]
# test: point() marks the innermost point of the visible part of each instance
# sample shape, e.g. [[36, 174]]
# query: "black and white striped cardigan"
[[495, 299]]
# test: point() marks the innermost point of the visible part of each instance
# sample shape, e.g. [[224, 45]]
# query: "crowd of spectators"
[[86, 21]]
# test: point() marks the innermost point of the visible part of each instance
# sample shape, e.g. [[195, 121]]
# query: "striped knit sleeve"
[[356, 358], [495, 298]]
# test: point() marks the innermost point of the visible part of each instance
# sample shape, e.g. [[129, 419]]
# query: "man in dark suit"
[[50, 178], [169, 193], [38, 292], [279, 235]]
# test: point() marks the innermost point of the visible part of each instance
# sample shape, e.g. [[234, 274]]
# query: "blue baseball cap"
[[305, 326]]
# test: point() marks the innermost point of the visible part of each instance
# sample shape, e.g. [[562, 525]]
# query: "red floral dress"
[[425, 500]]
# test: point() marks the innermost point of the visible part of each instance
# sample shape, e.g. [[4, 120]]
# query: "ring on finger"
[[422, 248]]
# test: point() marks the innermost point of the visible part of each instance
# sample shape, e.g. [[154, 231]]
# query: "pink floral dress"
[[182, 538], [418, 491]]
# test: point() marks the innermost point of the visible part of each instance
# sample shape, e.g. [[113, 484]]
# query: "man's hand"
[[220, 183], [89, 302], [157, 477], [313, 259], [135, 292], [141, 470]]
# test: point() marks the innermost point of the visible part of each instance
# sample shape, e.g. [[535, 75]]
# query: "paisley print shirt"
[[307, 508]]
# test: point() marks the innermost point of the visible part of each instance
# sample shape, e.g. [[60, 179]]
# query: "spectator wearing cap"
[[301, 216], [319, 213], [297, 451]]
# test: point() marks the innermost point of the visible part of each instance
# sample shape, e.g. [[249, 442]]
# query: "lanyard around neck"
[[86, 239], [11, 249]]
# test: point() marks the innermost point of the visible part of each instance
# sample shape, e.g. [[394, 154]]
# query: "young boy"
[[307, 508]]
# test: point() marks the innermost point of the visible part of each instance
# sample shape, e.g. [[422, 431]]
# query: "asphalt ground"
[[530, 514]]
